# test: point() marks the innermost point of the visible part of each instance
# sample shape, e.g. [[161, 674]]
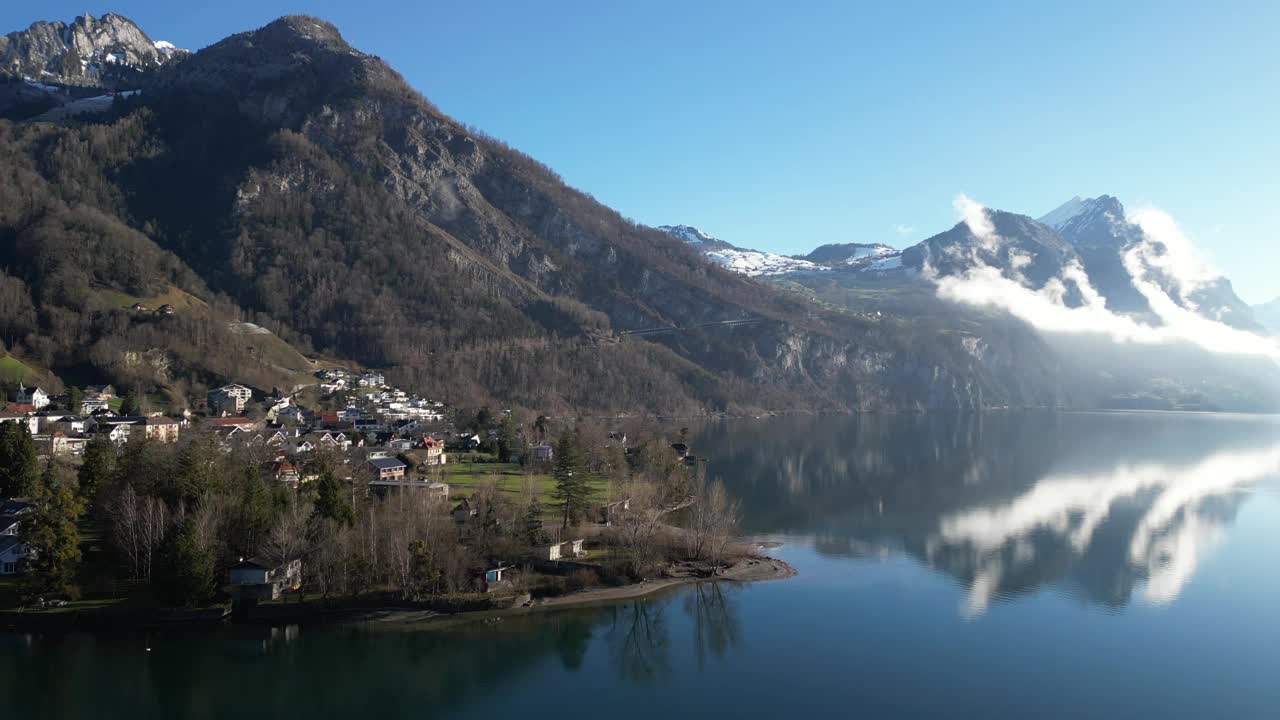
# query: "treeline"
[[178, 517]]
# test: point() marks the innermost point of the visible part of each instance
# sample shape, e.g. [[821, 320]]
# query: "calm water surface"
[[1005, 566]]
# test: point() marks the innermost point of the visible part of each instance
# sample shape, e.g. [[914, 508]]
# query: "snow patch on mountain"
[[753, 263], [869, 251]]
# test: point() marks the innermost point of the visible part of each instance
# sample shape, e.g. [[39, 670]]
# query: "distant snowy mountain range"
[[1095, 234], [756, 263]]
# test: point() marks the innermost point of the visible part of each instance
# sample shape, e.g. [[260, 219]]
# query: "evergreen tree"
[[508, 438], [132, 404], [533, 532], [197, 471], [51, 531], [254, 514], [98, 465], [75, 398], [572, 492], [185, 575], [331, 500], [19, 470]]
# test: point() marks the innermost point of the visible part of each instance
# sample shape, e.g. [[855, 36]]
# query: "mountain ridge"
[[297, 183]]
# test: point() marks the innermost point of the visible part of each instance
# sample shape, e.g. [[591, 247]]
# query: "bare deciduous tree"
[[138, 524], [713, 522]]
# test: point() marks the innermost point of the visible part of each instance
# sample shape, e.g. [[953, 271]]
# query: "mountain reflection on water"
[[1101, 506], [892, 522]]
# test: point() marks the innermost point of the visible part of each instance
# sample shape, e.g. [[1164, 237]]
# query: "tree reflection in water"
[[715, 621], [638, 643]]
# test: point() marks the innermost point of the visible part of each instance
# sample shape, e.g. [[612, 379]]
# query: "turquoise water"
[[1004, 566]]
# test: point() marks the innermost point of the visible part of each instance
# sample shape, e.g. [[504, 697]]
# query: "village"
[[485, 509]]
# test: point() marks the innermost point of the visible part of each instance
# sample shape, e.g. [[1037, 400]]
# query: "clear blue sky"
[[782, 126]]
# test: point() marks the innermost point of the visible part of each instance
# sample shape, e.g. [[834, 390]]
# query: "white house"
[[35, 396], [259, 579], [12, 554], [569, 549], [229, 398], [31, 421]]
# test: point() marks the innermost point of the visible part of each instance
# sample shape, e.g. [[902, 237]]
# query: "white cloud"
[[1166, 249], [1163, 252], [904, 229], [1170, 539]]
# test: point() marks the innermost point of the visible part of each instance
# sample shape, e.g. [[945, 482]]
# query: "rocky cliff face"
[[108, 52]]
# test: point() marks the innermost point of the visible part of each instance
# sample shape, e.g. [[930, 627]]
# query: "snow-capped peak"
[[1060, 215], [1079, 212]]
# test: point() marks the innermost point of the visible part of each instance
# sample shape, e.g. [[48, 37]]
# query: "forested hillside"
[[284, 178]]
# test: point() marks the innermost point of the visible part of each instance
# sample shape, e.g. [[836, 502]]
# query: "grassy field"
[[465, 478], [13, 370], [107, 298]]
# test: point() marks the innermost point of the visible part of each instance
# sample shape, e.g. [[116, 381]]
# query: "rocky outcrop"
[[110, 52]]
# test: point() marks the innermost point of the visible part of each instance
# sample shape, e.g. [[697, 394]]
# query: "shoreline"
[[748, 570], [756, 568]]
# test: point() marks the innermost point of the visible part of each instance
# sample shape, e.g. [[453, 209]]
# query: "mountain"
[[752, 263], [284, 178], [1018, 245], [1268, 316], [54, 70], [848, 253], [106, 52], [1102, 234]]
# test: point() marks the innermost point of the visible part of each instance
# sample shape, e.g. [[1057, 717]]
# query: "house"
[[105, 392], [14, 507], [496, 577], [291, 413], [20, 408], [610, 512], [388, 469], [165, 309], [562, 550], [160, 429], [681, 449], [542, 453], [90, 405], [117, 434], [229, 399], [259, 579], [372, 379], [434, 450], [32, 422], [286, 472], [71, 425], [58, 443], [35, 396], [13, 555], [383, 488], [470, 442], [9, 525]]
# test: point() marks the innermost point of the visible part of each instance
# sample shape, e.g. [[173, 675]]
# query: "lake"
[[994, 566]]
